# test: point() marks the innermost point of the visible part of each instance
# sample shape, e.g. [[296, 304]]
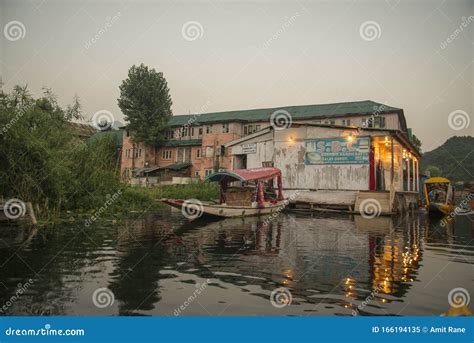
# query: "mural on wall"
[[337, 151]]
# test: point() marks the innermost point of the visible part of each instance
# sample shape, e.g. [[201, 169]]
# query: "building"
[[200, 140]]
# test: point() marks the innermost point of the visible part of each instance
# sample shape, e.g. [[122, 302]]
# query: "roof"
[[176, 142], [244, 174], [116, 134], [437, 180], [297, 113], [82, 130], [175, 166]]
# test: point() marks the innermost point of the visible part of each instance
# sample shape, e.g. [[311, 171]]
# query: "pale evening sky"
[[218, 56]]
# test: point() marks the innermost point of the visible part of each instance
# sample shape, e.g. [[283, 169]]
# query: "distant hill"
[[454, 159]]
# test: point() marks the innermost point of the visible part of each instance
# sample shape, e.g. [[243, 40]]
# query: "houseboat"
[[243, 192]]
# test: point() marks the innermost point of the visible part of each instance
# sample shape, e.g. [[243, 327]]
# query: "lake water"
[[162, 264]]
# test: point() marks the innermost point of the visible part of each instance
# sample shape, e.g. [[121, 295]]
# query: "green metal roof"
[[116, 134], [184, 142], [297, 113]]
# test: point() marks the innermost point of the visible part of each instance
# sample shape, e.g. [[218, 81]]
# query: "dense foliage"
[[146, 103], [42, 160], [454, 159]]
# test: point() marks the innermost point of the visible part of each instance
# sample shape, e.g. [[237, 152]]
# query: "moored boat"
[[243, 192], [439, 195]]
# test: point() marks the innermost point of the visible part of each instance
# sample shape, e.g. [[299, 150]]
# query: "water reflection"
[[331, 265]]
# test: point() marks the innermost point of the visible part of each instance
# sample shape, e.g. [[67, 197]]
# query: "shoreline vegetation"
[[65, 177]]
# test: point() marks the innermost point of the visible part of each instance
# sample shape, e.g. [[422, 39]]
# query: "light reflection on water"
[[336, 265]]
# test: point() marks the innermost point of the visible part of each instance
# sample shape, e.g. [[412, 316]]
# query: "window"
[[208, 172], [346, 122], [257, 127], [184, 132], [191, 132], [166, 154], [198, 153], [200, 132], [208, 129], [330, 122], [196, 173], [245, 130], [379, 122], [225, 128]]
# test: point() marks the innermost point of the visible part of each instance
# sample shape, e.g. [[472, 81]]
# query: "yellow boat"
[[439, 195]]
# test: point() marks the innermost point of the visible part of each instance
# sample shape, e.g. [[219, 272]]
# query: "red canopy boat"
[[243, 192]]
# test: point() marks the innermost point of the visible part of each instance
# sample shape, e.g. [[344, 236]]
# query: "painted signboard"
[[337, 151], [250, 148]]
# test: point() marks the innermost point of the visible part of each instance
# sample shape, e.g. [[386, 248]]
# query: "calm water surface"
[[155, 265]]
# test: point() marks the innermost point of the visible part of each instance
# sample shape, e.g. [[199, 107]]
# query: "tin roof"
[[296, 112], [177, 142], [244, 174]]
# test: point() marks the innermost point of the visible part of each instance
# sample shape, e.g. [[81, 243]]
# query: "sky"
[[231, 55]]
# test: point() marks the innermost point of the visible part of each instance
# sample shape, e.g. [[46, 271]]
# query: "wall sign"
[[337, 151], [250, 148]]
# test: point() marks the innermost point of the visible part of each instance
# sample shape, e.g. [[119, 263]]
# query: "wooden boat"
[[243, 192], [439, 195]]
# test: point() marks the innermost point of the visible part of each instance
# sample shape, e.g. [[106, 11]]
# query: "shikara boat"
[[243, 192], [439, 195]]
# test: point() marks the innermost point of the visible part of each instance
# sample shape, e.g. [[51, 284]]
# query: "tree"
[[146, 103], [433, 171], [416, 142]]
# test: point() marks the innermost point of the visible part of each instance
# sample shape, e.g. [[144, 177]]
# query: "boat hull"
[[438, 208], [223, 211]]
